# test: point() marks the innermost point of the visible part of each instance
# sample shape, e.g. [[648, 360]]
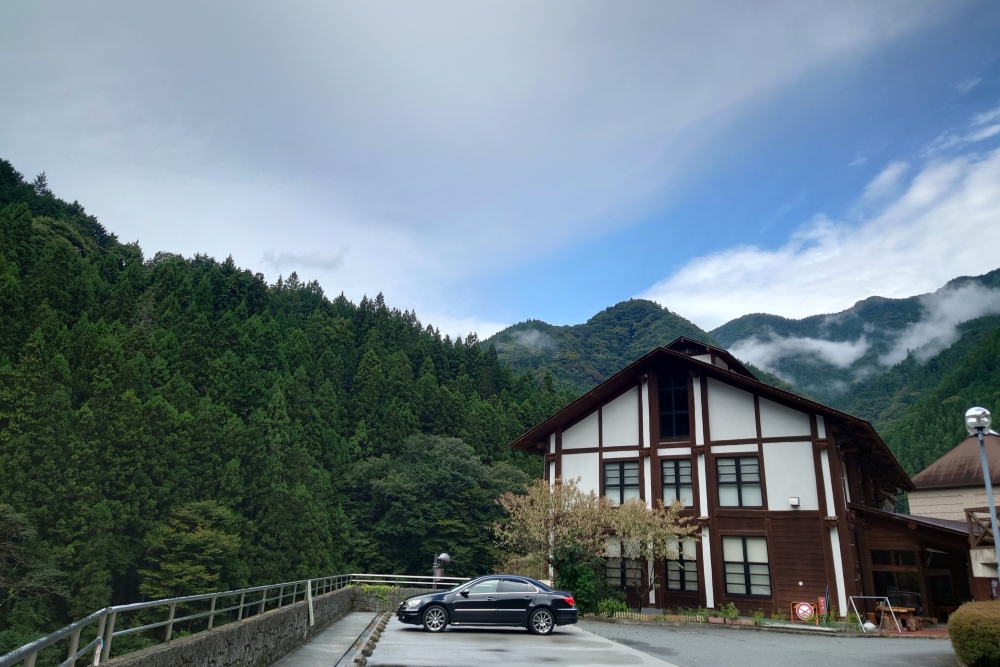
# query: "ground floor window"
[[682, 571], [747, 569], [623, 573], [895, 575]]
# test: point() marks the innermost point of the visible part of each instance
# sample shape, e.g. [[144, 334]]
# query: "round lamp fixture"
[[977, 418], [444, 559]]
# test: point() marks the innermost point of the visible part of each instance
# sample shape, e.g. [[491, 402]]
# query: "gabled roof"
[[961, 467], [691, 348], [856, 429], [926, 527]]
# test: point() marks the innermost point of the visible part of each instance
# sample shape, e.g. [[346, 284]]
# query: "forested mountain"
[[171, 425], [581, 356]]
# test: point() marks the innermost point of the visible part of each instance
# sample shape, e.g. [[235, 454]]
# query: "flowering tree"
[[561, 526], [647, 536]]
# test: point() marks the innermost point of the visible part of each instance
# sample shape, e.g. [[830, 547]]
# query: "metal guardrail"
[[252, 602]]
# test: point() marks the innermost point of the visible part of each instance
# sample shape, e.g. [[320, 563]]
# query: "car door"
[[477, 603], [516, 597]]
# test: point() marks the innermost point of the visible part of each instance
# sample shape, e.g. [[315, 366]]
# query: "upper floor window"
[[621, 480], [739, 482], [747, 569], [682, 571], [673, 405], [677, 481]]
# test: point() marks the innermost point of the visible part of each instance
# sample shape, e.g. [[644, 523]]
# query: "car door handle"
[[528, 597], [491, 599]]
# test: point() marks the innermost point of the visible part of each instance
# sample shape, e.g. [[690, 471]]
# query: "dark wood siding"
[[797, 554]]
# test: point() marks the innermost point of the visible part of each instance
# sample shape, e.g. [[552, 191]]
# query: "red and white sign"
[[804, 611]]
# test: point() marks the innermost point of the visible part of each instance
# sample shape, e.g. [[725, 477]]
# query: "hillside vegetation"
[[174, 425]]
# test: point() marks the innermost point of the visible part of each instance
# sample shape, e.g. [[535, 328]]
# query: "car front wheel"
[[541, 622], [435, 619]]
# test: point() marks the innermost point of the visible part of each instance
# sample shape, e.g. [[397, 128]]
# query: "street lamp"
[[977, 420]]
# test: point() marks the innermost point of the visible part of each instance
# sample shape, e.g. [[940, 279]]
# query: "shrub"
[[779, 615], [758, 617], [729, 610], [608, 607], [975, 634]]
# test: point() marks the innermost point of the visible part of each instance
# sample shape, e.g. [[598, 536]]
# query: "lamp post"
[[977, 420]]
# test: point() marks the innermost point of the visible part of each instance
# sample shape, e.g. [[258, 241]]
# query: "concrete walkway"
[[329, 646]]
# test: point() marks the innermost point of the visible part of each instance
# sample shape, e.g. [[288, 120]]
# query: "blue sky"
[[485, 164]]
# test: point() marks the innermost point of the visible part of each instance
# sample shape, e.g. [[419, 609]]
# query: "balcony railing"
[[225, 607], [980, 530]]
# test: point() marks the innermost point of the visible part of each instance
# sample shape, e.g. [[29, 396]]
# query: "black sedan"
[[496, 599]]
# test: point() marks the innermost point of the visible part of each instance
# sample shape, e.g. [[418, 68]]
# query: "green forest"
[[174, 425]]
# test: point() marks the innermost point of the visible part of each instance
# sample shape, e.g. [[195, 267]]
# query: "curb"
[[364, 645], [832, 632]]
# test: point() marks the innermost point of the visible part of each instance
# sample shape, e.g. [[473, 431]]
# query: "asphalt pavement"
[[409, 646], [700, 645]]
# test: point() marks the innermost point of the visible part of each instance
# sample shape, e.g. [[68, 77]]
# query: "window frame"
[[740, 483], [671, 389], [683, 570], [626, 566], [677, 483], [746, 563], [621, 477]]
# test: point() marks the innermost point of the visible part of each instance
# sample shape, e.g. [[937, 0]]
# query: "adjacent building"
[[793, 498]]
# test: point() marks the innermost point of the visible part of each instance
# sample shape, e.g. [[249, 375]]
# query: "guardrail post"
[[100, 635], [74, 644], [263, 601], [211, 613], [242, 598], [309, 598], [106, 651], [170, 625], [281, 596], [30, 660]]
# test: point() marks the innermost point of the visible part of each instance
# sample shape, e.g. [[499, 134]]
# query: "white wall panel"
[[838, 572], [581, 434], [706, 567], [824, 459], [674, 451], [789, 470], [621, 454], [584, 466], [734, 449], [820, 426], [730, 412], [699, 425], [777, 421], [620, 420]]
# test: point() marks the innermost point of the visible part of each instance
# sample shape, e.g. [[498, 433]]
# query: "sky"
[[486, 163]]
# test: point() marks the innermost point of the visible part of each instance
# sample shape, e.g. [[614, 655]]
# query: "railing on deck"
[[235, 606], [980, 530]]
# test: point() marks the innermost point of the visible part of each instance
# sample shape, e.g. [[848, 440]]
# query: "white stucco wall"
[[789, 470], [731, 413], [581, 434], [778, 421], [584, 466], [949, 503], [699, 424], [620, 420]]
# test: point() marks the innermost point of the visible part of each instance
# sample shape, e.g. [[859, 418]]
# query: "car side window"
[[515, 586], [488, 586]]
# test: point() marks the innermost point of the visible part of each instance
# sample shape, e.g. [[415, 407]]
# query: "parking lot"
[[409, 646], [594, 643]]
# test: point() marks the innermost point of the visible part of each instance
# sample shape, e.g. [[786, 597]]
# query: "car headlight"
[[412, 604]]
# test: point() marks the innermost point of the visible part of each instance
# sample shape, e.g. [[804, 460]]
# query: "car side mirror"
[[465, 593]]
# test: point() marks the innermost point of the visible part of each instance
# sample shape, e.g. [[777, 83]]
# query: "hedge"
[[975, 634]]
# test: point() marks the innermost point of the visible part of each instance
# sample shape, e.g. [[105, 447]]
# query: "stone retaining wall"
[[254, 642], [371, 603]]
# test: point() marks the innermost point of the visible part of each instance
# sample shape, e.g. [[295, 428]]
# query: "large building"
[[793, 498]]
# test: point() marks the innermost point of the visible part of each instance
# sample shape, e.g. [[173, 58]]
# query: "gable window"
[[673, 393], [621, 480], [677, 481], [682, 571], [739, 481], [747, 569]]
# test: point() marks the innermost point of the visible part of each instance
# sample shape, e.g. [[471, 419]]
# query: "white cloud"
[[437, 140], [937, 329], [296, 262], [766, 353], [983, 126], [886, 183], [966, 85], [534, 339], [943, 226], [461, 326]]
